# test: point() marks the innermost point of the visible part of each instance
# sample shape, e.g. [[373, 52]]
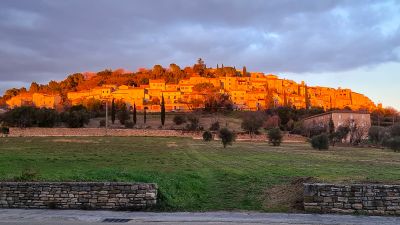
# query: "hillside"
[[185, 89]]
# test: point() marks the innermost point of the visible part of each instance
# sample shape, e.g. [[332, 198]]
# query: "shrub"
[[215, 126], [316, 130], [227, 136], [395, 130], [194, 123], [320, 142], [275, 136], [27, 175], [128, 124], [207, 136], [376, 134], [5, 130], [179, 119], [123, 116], [394, 143], [76, 118], [46, 117], [23, 116], [102, 123]]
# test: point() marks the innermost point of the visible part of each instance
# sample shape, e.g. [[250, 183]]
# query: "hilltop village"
[[185, 90]]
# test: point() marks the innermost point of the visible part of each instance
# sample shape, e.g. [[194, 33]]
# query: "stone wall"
[[78, 195], [372, 199], [94, 132]]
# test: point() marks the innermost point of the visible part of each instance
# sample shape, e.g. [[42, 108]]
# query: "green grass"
[[192, 175]]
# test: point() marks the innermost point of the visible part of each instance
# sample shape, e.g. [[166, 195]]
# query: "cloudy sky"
[[353, 44]]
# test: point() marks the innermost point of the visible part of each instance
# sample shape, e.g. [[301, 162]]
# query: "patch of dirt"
[[74, 141], [286, 197], [171, 144]]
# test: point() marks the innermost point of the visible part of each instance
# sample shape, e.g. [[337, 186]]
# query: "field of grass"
[[192, 175]]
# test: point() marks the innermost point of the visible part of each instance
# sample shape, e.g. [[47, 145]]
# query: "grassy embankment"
[[193, 175]]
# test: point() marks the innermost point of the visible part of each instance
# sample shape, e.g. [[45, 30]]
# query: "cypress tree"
[[244, 71], [113, 111], [134, 114], [331, 126], [307, 98], [162, 110], [144, 116]]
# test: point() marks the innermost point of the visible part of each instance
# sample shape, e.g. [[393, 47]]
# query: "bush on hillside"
[[376, 134], [128, 124], [194, 123], [4, 130], [252, 122], [227, 136], [393, 143], [320, 142], [207, 136], [24, 116], [102, 123], [215, 126], [179, 119], [395, 130], [275, 136]]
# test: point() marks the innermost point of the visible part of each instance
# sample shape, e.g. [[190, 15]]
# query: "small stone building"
[[359, 120]]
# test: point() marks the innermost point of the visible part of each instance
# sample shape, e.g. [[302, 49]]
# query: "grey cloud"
[[48, 39]]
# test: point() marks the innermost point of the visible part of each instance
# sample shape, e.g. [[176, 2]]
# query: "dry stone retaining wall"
[[78, 195], [372, 199], [82, 132]]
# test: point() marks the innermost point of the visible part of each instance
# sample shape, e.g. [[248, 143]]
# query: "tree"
[[393, 143], [395, 130], [46, 117], [331, 126], [244, 73], [34, 88], [252, 122], [227, 136], [76, 116], [275, 136], [207, 136], [144, 115], [162, 110], [134, 114], [376, 134], [307, 98], [113, 111], [272, 122], [24, 116], [123, 115], [320, 142], [158, 71], [4, 130]]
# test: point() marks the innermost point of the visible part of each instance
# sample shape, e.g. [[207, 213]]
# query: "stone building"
[[359, 121]]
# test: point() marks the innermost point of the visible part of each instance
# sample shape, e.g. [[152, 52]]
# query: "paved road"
[[68, 217]]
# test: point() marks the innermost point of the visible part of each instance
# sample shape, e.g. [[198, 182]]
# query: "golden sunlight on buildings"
[[253, 92]]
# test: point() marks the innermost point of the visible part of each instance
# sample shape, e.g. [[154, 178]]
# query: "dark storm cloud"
[[43, 40]]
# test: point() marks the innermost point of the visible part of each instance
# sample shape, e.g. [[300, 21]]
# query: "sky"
[[350, 44]]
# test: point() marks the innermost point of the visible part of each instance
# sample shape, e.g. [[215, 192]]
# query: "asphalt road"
[[68, 217]]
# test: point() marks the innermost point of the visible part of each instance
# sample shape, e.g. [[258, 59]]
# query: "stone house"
[[359, 121]]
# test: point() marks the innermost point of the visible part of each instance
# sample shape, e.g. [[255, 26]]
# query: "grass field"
[[193, 175]]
